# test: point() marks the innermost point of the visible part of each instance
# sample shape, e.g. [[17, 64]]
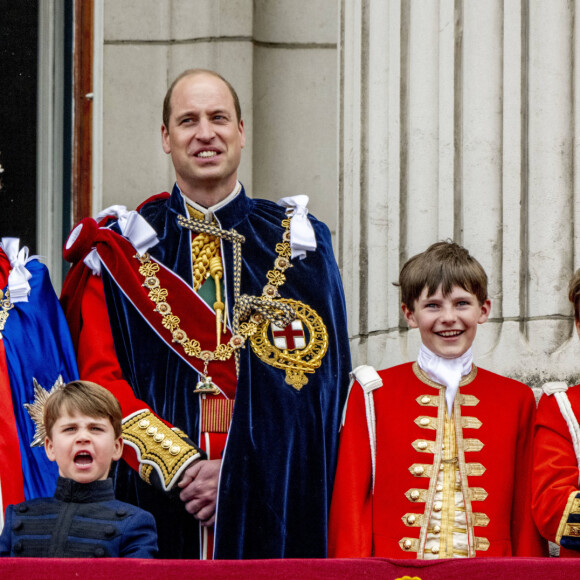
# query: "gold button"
[[439, 487], [158, 437], [415, 494], [407, 544], [151, 430], [411, 519], [144, 423], [422, 445], [175, 449], [424, 421], [167, 443], [441, 467], [437, 529], [418, 470], [425, 400], [437, 506], [435, 549]]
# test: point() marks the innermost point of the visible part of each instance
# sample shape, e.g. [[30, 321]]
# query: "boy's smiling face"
[[83, 447], [447, 323]]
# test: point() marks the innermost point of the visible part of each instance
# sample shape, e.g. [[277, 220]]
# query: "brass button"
[[424, 421], [418, 470], [437, 529], [422, 445], [175, 449], [167, 443], [437, 506], [439, 487], [425, 400], [415, 495], [144, 423], [151, 430], [435, 549], [407, 544], [411, 519], [158, 437]]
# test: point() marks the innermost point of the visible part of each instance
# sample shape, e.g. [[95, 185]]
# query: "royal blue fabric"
[[38, 345], [280, 458]]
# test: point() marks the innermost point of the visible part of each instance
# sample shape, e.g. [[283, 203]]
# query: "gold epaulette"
[[158, 448]]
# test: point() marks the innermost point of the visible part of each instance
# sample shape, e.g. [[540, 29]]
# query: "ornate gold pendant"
[[206, 387], [298, 348]]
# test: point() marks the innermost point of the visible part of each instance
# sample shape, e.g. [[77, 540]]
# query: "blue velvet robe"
[[280, 457], [38, 345]]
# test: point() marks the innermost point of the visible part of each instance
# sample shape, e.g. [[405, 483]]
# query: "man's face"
[[447, 323], [83, 447], [204, 138]]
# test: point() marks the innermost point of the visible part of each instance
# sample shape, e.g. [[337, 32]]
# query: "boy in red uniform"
[[435, 455], [555, 478]]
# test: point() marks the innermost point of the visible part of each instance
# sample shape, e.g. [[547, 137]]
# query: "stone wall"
[[457, 120]]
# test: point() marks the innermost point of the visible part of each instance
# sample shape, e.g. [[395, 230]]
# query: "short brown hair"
[[574, 293], [444, 264], [86, 398], [192, 72]]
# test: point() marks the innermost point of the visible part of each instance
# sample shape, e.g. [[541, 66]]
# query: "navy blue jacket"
[[82, 520]]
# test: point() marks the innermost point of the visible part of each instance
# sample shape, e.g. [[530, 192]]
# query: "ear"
[[409, 316], [48, 447], [485, 310], [118, 449], [242, 134], [165, 139]]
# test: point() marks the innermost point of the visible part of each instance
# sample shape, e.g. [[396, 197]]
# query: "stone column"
[[457, 120]]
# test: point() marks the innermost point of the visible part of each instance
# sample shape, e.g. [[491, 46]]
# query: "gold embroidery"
[[157, 445], [5, 306], [472, 445], [426, 422], [474, 469], [470, 423], [299, 361], [423, 446], [409, 544], [481, 544], [413, 520], [416, 495], [480, 519], [477, 494], [468, 400]]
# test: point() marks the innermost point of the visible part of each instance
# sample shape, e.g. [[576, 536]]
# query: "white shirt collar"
[[209, 211], [446, 371]]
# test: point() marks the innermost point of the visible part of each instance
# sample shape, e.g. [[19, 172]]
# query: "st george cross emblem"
[[297, 348], [290, 337]]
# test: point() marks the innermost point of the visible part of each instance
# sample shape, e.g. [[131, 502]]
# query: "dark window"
[[18, 111]]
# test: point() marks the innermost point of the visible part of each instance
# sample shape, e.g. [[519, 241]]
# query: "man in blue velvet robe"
[[227, 345]]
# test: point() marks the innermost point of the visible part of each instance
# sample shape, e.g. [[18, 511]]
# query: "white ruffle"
[[19, 275], [302, 237], [446, 371]]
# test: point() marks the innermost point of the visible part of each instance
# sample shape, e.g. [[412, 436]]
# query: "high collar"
[[71, 491], [228, 215]]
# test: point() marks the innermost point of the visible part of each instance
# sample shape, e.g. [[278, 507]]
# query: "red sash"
[[197, 319]]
